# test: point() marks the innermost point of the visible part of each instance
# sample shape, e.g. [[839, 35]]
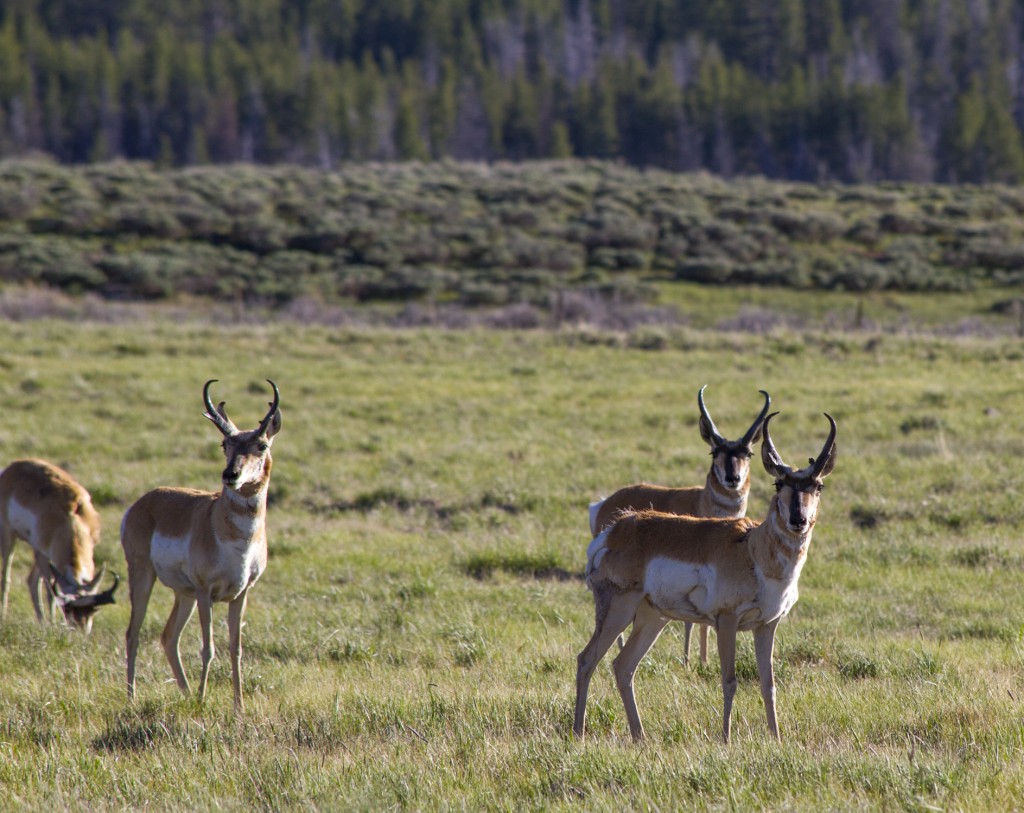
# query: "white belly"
[[776, 599], [169, 555], [22, 523], [237, 567], [682, 590]]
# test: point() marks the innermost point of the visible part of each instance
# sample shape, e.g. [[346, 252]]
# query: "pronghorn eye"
[[263, 447], [820, 488]]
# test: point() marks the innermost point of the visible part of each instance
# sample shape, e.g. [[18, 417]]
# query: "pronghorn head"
[[731, 458], [247, 453], [79, 602], [799, 490]]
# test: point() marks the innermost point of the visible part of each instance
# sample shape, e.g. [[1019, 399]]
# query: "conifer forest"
[[811, 90]]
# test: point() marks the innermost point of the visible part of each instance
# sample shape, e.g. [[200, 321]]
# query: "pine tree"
[[964, 135], [409, 130], [442, 108], [520, 130], [594, 128], [561, 144]]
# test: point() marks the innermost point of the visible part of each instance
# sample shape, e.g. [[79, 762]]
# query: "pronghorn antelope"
[[650, 568], [724, 493], [44, 506], [205, 546]]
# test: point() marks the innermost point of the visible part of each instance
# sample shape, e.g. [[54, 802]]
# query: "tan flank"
[[206, 546], [724, 493], [42, 505], [650, 568]]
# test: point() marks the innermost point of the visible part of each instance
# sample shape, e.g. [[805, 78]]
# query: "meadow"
[[412, 643]]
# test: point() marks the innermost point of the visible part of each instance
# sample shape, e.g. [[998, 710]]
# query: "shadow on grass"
[[140, 728], [541, 566], [392, 498]]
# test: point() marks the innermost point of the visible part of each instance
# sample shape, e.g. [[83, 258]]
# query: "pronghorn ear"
[[223, 412], [275, 424], [830, 464], [769, 456], [708, 432], [772, 462]]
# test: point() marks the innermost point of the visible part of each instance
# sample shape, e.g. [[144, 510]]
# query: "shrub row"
[[485, 235]]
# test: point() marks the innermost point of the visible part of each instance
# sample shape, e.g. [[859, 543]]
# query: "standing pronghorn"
[[205, 546], [650, 568], [724, 493], [43, 505]]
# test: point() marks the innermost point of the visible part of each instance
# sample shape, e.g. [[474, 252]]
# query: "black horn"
[[273, 409], [756, 425], [826, 460], [769, 455], [107, 596], [710, 430], [217, 414], [96, 599]]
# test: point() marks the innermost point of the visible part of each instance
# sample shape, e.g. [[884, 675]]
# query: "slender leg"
[[764, 644], [6, 548], [180, 614], [727, 656], [205, 602], [704, 629], [647, 626], [35, 580], [614, 612], [236, 609], [140, 586], [42, 567], [687, 630]]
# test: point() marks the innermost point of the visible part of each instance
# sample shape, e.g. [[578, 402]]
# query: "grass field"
[[412, 644]]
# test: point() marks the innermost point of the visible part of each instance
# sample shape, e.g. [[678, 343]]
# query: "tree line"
[[848, 90]]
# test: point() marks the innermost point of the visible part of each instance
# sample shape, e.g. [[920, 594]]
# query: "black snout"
[[797, 520], [732, 473]]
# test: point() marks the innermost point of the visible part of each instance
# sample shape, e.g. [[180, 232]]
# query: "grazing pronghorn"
[[205, 546], [44, 506], [724, 493], [650, 568]]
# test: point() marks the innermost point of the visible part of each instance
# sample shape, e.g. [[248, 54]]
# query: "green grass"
[[979, 311], [412, 644]]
